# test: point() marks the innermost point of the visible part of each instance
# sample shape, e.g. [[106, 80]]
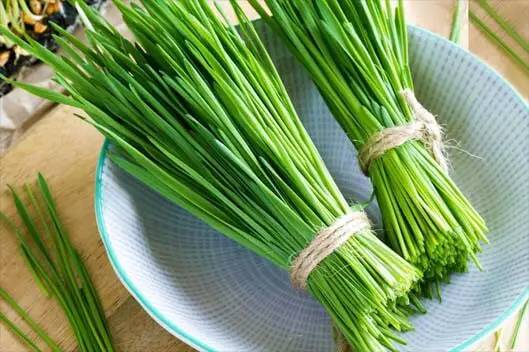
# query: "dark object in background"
[[10, 66], [61, 12]]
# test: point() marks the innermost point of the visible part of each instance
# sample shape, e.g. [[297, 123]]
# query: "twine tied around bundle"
[[425, 128], [325, 243]]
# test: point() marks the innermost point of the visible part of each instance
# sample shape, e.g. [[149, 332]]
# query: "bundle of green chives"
[[59, 272], [198, 112], [357, 54]]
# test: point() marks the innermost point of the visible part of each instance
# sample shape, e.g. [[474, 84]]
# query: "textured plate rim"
[[192, 341]]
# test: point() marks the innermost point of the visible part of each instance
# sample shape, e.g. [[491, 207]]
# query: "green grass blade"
[[495, 38], [43, 92], [94, 308], [507, 27], [9, 300], [95, 300], [31, 226], [42, 286], [19, 333], [455, 30], [519, 321]]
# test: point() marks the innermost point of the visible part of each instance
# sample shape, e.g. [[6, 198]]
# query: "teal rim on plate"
[[191, 340]]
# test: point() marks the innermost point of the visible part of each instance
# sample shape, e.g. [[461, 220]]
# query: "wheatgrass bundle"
[[357, 54], [197, 111]]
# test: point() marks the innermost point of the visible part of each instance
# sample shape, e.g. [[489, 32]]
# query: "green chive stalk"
[[58, 270], [357, 54], [197, 111]]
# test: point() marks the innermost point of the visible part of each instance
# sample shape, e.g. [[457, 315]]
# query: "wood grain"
[[65, 150]]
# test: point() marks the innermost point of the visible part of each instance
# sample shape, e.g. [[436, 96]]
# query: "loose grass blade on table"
[[198, 112], [58, 270], [356, 52], [505, 25], [494, 37], [32, 324], [455, 28], [19, 333], [519, 321]]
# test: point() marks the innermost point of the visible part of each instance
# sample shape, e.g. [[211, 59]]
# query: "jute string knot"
[[325, 243], [425, 128]]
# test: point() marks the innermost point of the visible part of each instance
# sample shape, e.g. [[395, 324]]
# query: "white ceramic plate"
[[217, 296]]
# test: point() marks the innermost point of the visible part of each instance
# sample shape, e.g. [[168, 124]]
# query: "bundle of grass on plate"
[[357, 54], [198, 112]]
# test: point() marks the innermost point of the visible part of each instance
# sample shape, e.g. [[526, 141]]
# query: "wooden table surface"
[[65, 150]]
